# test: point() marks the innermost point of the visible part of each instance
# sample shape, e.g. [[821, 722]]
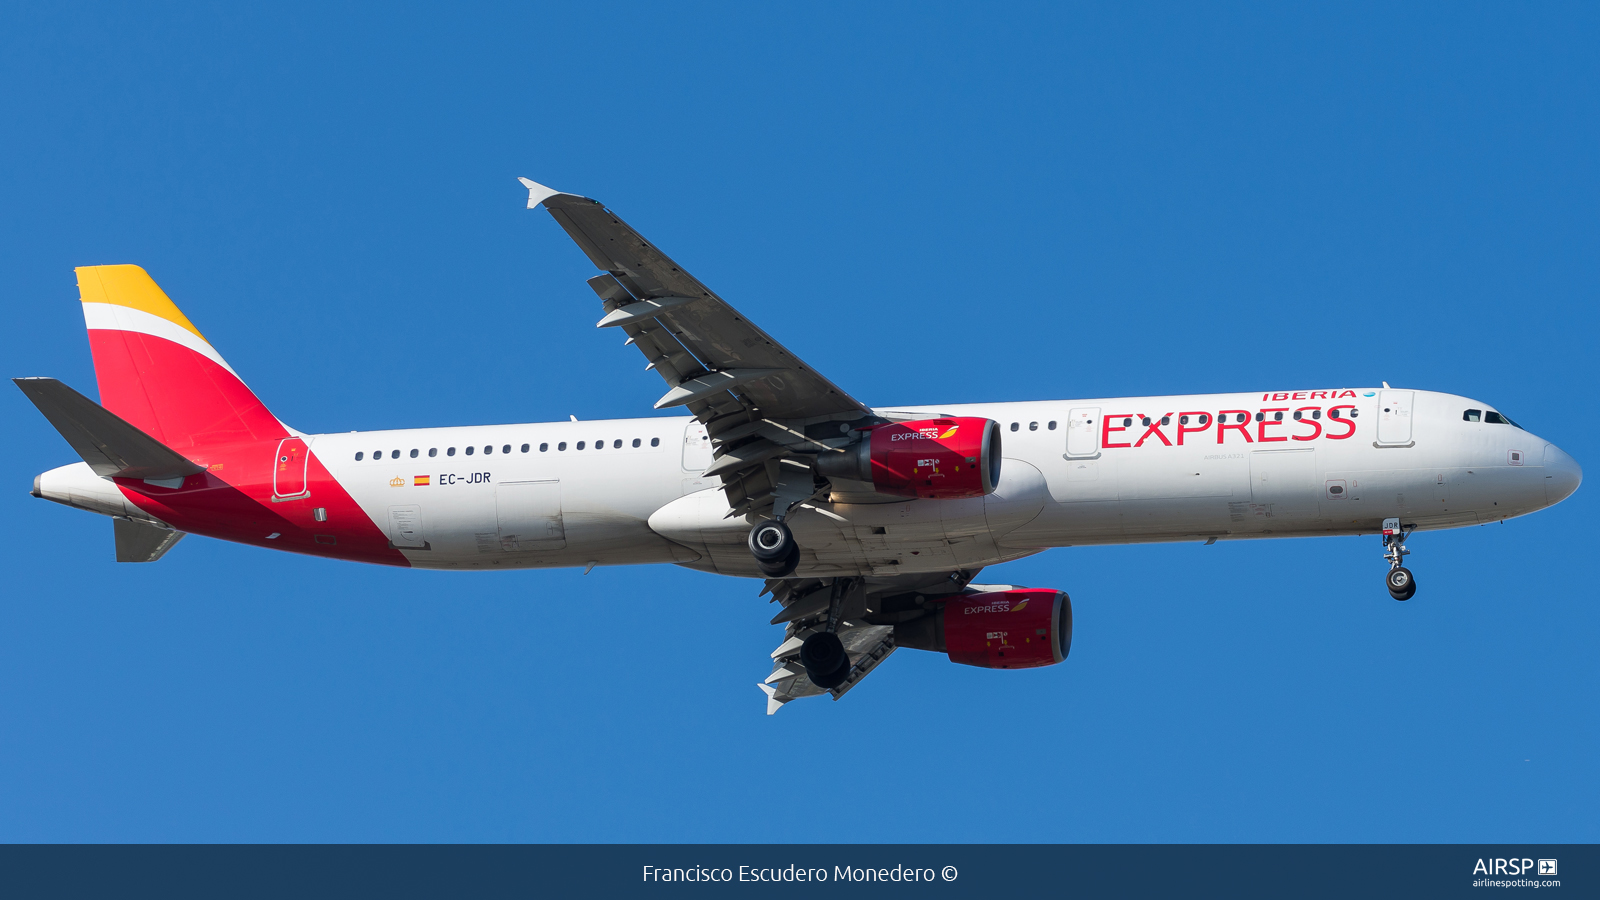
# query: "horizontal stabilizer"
[[110, 445], [138, 542]]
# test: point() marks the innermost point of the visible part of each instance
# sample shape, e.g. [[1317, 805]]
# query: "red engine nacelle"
[[1021, 628], [937, 459]]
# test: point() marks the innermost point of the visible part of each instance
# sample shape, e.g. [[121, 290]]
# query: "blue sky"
[[928, 203]]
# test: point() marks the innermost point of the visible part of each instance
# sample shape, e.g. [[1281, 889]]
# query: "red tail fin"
[[158, 372]]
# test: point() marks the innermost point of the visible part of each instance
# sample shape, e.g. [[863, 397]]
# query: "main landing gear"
[[827, 665], [773, 546], [1402, 585]]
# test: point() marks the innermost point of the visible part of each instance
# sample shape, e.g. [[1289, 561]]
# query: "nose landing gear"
[[1401, 583]]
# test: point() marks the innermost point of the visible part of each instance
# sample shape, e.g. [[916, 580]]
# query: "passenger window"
[[469, 450], [655, 442], [1127, 423], [395, 454], [1472, 415], [599, 445], [413, 453], [1277, 417], [488, 448], [1051, 426], [1316, 414], [562, 445], [1354, 413], [525, 448], [580, 445], [544, 448], [450, 452], [1183, 420], [1033, 426], [1297, 415], [616, 444], [1241, 418], [1145, 421], [359, 456], [1015, 426], [1333, 413], [1261, 417], [636, 442], [1166, 420], [433, 451]]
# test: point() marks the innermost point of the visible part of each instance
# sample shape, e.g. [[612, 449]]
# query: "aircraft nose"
[[1561, 474]]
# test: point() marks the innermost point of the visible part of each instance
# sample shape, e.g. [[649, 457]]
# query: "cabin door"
[[1394, 417], [1083, 433], [289, 469]]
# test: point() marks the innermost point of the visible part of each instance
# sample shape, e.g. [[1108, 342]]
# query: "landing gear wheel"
[[1400, 583], [773, 546], [827, 665], [782, 568], [770, 541]]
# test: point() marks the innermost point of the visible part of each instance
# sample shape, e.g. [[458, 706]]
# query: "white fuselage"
[[1067, 479]]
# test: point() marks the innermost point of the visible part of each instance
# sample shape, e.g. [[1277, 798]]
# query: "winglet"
[[773, 703], [537, 193]]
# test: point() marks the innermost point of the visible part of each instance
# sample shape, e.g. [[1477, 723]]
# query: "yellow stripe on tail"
[[130, 286]]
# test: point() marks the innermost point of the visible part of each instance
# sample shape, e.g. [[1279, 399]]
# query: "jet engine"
[[937, 459], [1018, 628]]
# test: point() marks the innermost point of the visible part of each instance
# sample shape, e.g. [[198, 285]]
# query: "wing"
[[870, 610], [768, 414]]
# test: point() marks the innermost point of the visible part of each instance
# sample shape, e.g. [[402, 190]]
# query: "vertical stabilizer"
[[158, 372]]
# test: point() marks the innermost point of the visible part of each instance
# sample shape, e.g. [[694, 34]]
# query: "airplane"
[[869, 524]]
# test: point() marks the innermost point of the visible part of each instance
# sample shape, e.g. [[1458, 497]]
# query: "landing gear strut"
[[1401, 583], [773, 546], [827, 665]]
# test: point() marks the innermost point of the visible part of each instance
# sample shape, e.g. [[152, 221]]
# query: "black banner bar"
[[723, 870]]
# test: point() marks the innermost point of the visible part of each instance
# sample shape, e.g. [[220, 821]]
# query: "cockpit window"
[[1472, 415], [1495, 418]]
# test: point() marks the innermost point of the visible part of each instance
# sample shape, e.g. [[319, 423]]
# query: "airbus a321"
[[870, 524]]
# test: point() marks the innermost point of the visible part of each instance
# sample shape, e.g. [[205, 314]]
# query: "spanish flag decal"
[[422, 481]]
